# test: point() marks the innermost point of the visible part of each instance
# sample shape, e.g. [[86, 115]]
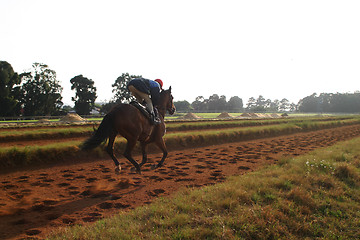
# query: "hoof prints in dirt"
[[90, 180], [53, 216], [217, 176], [69, 221], [101, 193], [155, 178], [92, 217], [156, 192], [106, 205], [243, 168], [33, 232]]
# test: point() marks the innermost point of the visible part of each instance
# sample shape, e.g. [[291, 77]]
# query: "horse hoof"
[[117, 170], [137, 170], [156, 166]]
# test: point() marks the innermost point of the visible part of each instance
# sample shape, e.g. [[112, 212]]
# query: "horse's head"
[[166, 100]]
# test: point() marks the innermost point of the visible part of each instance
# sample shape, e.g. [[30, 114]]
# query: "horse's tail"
[[101, 134]]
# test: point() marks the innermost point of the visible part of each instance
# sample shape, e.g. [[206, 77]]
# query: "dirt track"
[[32, 203]]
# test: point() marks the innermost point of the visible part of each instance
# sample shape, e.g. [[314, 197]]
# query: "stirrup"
[[154, 120]]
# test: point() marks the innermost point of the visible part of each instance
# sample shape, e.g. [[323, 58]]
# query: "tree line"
[[37, 92], [322, 103], [216, 103], [331, 103]]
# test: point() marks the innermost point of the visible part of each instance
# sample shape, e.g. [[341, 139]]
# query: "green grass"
[[178, 126], [56, 132], [215, 115], [22, 156], [315, 196], [215, 133], [217, 136], [50, 130], [28, 120], [45, 133]]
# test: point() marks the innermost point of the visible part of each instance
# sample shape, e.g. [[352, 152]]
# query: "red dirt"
[[32, 203]]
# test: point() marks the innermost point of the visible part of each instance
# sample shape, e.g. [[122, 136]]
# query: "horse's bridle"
[[171, 109]]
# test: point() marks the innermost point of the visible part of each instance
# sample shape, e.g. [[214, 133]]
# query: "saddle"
[[152, 118], [141, 108]]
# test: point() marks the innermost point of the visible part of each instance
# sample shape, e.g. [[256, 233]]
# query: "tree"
[[182, 106], [345, 102], [235, 104], [41, 91], [257, 105], [222, 103], [199, 104], [273, 106], [9, 91], [215, 103], [325, 102], [260, 102], [309, 104], [284, 105], [329, 102], [85, 94], [250, 104], [66, 109], [293, 107], [122, 94], [107, 106]]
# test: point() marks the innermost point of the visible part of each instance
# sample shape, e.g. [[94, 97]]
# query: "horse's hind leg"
[[110, 151], [129, 147], [144, 155], [161, 144]]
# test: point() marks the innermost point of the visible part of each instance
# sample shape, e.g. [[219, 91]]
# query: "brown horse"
[[129, 122]]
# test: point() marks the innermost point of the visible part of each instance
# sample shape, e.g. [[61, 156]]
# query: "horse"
[[128, 121]]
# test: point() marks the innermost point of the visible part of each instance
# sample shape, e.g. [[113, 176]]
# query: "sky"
[[277, 49]]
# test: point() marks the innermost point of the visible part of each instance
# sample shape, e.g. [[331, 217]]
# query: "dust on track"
[[33, 203]]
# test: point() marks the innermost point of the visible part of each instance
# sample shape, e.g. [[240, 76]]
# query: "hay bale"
[[72, 117], [253, 115], [246, 115], [189, 116], [275, 115], [224, 115], [261, 115]]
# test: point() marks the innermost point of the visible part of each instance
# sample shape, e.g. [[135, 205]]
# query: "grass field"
[[58, 150], [315, 196], [26, 132]]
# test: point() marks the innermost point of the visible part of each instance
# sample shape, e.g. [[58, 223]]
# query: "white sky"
[[278, 49]]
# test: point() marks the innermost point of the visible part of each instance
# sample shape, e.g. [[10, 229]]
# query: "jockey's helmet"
[[160, 82]]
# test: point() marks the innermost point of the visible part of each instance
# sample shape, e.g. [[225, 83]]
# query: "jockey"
[[142, 89]]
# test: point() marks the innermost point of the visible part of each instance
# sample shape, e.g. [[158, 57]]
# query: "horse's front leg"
[[144, 154], [161, 144]]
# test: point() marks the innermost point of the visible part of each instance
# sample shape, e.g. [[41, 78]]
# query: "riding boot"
[[154, 119]]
